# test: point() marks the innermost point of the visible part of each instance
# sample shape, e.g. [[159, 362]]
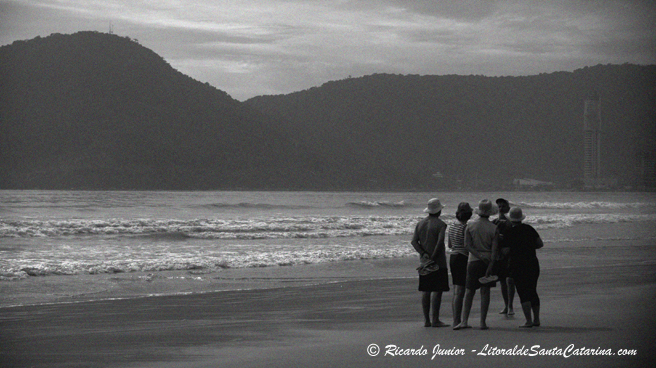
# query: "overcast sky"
[[250, 48]]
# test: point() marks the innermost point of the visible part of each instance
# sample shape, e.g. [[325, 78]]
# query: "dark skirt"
[[434, 281], [476, 270], [526, 281], [458, 264]]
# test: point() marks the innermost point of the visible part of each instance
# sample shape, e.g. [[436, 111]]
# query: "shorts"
[[501, 268], [458, 265], [435, 281], [476, 270]]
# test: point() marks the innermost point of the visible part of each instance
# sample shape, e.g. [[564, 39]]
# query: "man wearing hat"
[[481, 242], [428, 241]]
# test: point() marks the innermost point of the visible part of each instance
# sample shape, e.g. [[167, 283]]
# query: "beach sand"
[[599, 297]]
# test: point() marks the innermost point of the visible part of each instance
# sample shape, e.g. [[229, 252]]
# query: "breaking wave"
[[124, 263], [378, 204], [271, 228], [245, 205], [587, 205]]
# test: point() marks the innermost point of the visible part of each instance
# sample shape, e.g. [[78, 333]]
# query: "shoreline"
[[80, 288], [318, 325], [597, 294], [557, 253]]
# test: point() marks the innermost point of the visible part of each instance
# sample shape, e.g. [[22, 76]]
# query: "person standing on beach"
[[507, 283], [458, 259], [523, 265], [481, 242], [428, 241]]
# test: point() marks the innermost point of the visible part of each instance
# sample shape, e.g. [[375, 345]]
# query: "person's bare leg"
[[511, 295], [426, 306], [485, 305], [504, 294], [436, 302], [456, 304], [535, 306], [526, 308], [466, 308]]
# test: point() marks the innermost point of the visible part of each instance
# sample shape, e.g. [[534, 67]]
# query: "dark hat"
[[502, 200], [464, 207]]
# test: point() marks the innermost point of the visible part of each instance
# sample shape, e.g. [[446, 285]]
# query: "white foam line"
[[182, 293]]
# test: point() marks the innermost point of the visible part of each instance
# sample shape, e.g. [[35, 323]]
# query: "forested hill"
[[476, 131], [98, 111]]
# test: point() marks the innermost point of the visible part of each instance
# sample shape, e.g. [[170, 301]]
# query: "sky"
[[265, 47]]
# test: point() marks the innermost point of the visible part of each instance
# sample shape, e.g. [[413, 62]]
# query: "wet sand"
[[599, 297]]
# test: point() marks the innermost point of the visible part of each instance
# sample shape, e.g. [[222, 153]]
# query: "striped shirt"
[[457, 238]]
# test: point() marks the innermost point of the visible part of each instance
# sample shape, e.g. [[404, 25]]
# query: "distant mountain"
[[99, 111], [475, 131]]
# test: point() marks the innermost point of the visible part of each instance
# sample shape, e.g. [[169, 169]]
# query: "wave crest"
[[585, 205], [23, 269], [376, 204]]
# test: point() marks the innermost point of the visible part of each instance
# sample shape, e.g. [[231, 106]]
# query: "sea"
[[56, 233]]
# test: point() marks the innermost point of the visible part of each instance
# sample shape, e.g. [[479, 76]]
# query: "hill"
[[476, 131], [99, 111]]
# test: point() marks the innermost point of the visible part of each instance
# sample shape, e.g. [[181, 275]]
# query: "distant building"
[[532, 184], [592, 141]]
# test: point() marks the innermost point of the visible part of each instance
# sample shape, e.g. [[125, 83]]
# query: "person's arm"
[[439, 247], [469, 246], [448, 237], [495, 245], [495, 251], [502, 250], [416, 244], [538, 243]]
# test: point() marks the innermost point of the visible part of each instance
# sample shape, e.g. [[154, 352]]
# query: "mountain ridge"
[[98, 111], [93, 110], [475, 124]]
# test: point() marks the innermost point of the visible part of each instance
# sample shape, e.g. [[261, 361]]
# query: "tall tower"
[[592, 140]]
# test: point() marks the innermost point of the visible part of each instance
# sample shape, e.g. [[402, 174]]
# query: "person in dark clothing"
[[507, 283], [523, 265]]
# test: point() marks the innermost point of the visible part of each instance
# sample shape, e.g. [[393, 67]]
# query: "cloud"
[[279, 46]]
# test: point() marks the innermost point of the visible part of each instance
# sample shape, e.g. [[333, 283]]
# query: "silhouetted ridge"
[[94, 110], [476, 131], [100, 111]]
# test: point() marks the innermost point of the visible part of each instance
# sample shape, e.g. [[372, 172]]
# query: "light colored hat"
[[486, 208], [434, 206], [516, 214]]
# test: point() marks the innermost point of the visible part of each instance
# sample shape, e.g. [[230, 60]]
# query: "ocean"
[[57, 233]]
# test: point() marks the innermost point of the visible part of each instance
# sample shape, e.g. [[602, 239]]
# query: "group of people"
[[483, 251]]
